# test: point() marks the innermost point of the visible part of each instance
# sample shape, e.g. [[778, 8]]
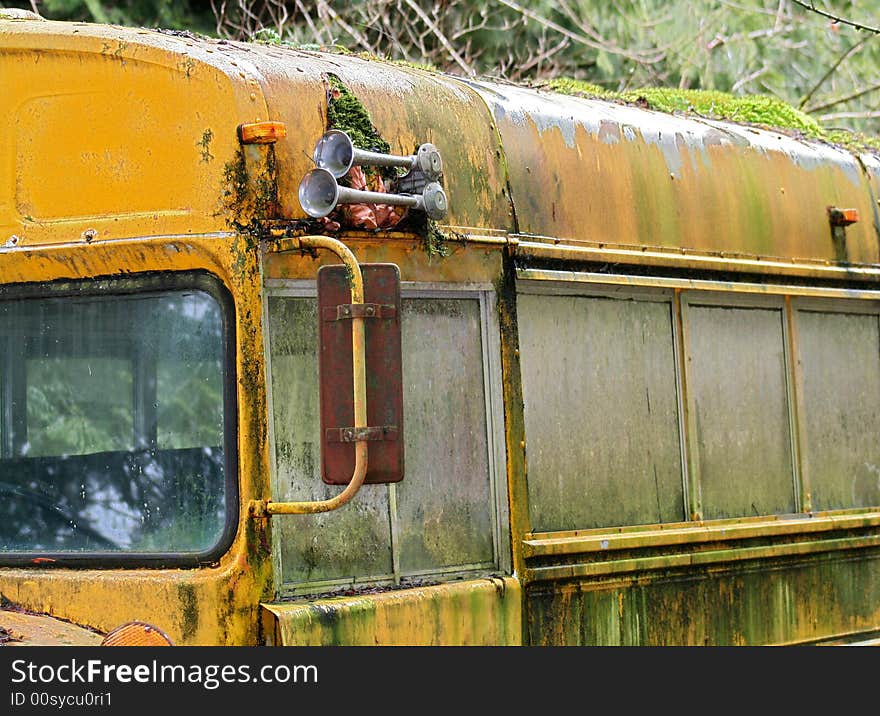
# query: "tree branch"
[[855, 48], [841, 20], [582, 39], [440, 36], [841, 100], [850, 115]]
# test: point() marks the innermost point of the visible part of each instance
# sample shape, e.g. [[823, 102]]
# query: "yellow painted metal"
[[23, 629], [770, 289], [591, 171], [121, 156], [685, 533], [408, 107], [555, 249], [469, 613], [117, 132], [359, 373], [466, 263], [217, 603]]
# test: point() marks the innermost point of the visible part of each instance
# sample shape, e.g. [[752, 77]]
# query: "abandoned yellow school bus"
[[308, 348]]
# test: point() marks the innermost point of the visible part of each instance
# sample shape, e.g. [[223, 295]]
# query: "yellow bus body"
[[121, 157]]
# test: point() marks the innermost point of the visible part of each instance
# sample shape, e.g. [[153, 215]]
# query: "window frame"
[[155, 284], [490, 339], [867, 304], [710, 298], [625, 291], [789, 299]]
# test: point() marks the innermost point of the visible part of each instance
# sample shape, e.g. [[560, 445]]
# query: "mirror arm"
[[360, 382]]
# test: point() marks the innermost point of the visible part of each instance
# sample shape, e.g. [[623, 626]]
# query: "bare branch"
[[440, 36], [834, 18], [831, 70], [583, 39], [875, 114], [361, 40], [749, 78], [316, 34], [844, 99]]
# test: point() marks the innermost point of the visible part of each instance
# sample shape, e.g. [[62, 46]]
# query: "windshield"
[[112, 422]]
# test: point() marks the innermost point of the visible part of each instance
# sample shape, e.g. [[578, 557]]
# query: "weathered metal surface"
[[384, 375], [548, 248], [407, 106], [586, 170], [123, 132], [871, 164], [607, 544], [783, 602], [608, 182], [23, 629], [740, 412], [839, 389], [601, 413], [755, 581], [464, 264], [471, 613], [667, 282]]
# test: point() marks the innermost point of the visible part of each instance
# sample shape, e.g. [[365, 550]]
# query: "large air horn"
[[336, 153], [319, 194]]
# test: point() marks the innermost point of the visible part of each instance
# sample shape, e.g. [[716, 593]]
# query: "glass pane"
[[444, 503], [736, 381], [839, 358], [81, 468], [601, 414], [354, 541], [78, 406]]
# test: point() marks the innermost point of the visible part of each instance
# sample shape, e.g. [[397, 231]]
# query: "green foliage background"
[[757, 47]]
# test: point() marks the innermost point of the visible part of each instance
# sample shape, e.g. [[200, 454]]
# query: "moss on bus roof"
[[761, 110]]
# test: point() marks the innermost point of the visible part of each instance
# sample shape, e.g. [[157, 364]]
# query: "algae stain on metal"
[[249, 200], [205, 145], [189, 610]]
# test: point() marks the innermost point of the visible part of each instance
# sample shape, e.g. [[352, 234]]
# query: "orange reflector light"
[[261, 132], [842, 217], [136, 634]]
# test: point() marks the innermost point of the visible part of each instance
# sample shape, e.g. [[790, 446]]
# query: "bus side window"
[[443, 518], [601, 414], [838, 356], [735, 360], [782, 406]]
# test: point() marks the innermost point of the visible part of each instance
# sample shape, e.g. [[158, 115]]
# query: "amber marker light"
[[137, 634], [261, 132], [842, 217]]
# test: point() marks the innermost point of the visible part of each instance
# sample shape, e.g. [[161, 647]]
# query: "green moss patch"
[[760, 110], [348, 114]]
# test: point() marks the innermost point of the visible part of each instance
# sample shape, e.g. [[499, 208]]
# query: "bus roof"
[[125, 132]]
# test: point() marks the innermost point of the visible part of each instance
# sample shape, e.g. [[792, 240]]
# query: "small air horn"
[[336, 153], [319, 194]]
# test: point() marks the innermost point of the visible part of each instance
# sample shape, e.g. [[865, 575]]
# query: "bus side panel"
[[482, 612], [807, 601]]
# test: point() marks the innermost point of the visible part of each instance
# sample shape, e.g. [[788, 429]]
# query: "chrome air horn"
[[335, 155], [319, 194]]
